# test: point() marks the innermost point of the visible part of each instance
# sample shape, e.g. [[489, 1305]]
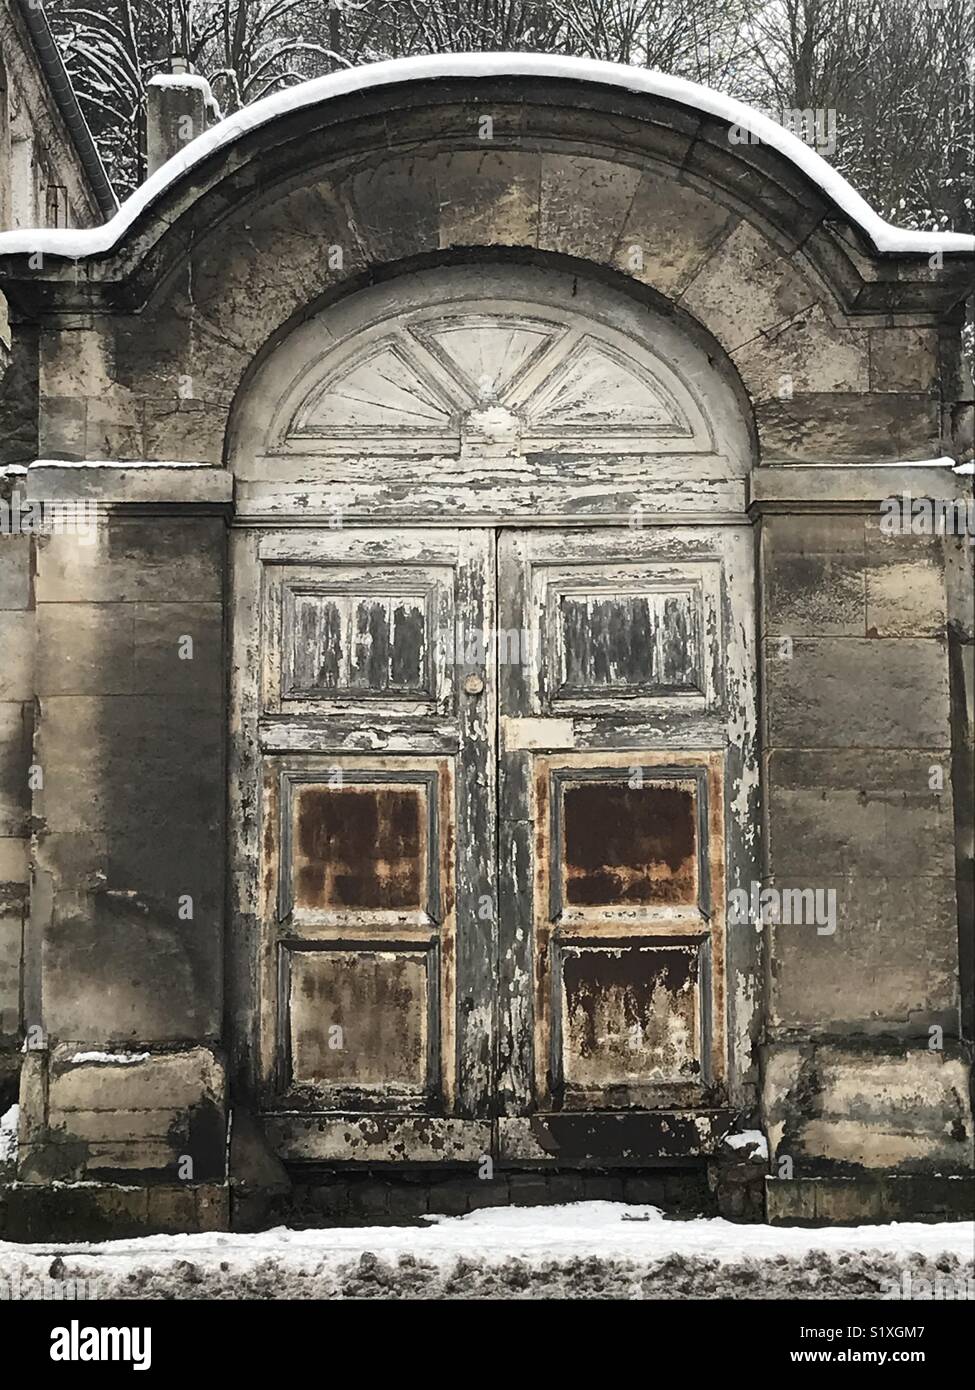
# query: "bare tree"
[[248, 48], [702, 40], [897, 74]]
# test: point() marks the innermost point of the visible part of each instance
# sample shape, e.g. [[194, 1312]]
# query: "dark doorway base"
[[378, 1197]]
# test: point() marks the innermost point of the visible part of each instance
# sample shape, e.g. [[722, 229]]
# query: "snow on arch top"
[[75, 244]]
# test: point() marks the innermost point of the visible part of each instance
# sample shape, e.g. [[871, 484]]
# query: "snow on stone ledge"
[[114, 1058], [753, 1138], [118, 463], [180, 79], [74, 244], [194, 81], [943, 462]]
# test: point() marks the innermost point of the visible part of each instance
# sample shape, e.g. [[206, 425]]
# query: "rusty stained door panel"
[[360, 847], [628, 844], [629, 930], [360, 881], [359, 1022], [628, 1031]]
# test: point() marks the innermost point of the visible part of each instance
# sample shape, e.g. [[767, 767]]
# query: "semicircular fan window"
[[531, 381]]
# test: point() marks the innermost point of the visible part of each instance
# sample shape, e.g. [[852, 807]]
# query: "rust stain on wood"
[[620, 1019], [629, 844], [630, 1019], [360, 847]]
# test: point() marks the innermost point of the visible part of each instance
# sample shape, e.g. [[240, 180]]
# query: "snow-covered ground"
[[585, 1250]]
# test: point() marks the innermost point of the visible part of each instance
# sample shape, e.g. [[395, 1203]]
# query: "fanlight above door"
[[522, 378]]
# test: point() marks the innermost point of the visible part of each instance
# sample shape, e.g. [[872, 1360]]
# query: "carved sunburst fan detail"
[[434, 377], [384, 388]]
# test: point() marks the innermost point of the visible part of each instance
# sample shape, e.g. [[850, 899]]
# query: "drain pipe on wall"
[[51, 61]]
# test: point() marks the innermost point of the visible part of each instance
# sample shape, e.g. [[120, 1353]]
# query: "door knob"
[[473, 685]]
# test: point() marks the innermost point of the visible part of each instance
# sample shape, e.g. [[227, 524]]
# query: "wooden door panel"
[[626, 839], [618, 637], [345, 642], [617, 730], [374, 714], [361, 908], [361, 1023], [344, 639], [628, 929], [363, 845], [626, 1030]]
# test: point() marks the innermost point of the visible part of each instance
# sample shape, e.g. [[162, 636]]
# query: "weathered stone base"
[[102, 1211], [149, 1120], [375, 1197], [874, 1106], [738, 1189], [32, 1212], [864, 1201], [98, 1211]]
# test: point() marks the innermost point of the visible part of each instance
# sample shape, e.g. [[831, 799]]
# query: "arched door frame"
[[316, 489]]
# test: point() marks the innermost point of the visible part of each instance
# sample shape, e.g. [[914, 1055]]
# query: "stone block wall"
[[866, 640], [123, 952], [16, 721], [149, 1116]]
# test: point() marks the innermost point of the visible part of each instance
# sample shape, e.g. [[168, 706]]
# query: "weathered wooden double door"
[[490, 869]]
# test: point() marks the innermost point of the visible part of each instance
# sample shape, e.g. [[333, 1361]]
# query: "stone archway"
[[457, 679]]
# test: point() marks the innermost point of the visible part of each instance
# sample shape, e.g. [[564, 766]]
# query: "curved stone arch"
[[489, 369], [693, 122], [755, 289], [761, 295], [837, 344]]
